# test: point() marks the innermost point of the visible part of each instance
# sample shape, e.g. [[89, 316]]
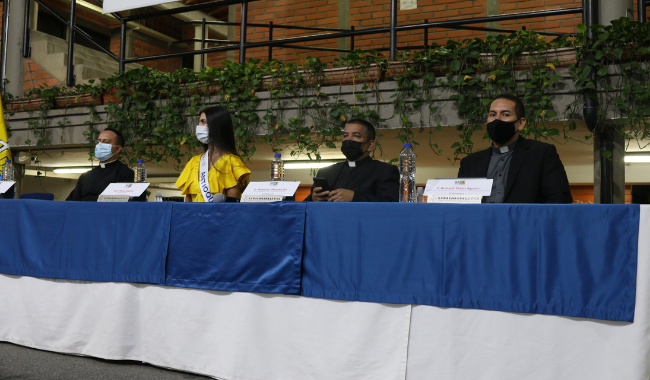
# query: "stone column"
[[33, 8], [344, 23], [611, 10], [15, 64], [491, 9], [19, 174], [232, 17], [198, 31], [608, 11]]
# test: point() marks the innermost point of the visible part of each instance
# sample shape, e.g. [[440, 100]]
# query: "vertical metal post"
[[393, 25], [242, 38], [603, 173], [352, 40], [122, 46], [641, 10], [270, 39], [606, 144], [3, 50], [426, 35], [203, 43], [590, 108], [27, 51], [70, 80]]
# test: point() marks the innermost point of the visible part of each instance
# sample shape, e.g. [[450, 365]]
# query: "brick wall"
[[144, 49], [36, 77], [363, 14], [376, 13], [315, 13]]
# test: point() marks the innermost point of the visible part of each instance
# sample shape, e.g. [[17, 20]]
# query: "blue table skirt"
[[244, 247], [572, 260], [85, 241]]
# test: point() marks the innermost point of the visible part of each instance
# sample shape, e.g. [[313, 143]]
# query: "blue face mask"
[[103, 151]]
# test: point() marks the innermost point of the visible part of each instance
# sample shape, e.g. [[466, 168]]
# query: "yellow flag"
[[4, 139]]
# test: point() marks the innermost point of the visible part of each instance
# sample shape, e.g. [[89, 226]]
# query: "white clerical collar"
[[103, 166], [504, 149], [352, 164]]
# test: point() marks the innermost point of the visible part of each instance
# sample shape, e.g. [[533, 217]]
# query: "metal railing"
[[242, 45], [338, 33]]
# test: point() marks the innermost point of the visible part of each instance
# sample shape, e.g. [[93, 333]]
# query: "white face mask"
[[202, 134]]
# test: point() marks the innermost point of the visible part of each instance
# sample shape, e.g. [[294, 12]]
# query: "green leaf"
[[618, 53], [455, 65]]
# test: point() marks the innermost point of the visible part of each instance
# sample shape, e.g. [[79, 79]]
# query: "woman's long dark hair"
[[220, 129]]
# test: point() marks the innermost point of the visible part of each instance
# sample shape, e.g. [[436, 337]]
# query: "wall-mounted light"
[[71, 170], [306, 164], [637, 158]]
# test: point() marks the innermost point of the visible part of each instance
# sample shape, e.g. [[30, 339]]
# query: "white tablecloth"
[[253, 336]]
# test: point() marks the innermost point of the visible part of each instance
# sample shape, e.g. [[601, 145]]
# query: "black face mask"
[[501, 131], [352, 149]]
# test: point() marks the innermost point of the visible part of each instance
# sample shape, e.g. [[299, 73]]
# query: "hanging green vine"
[[304, 111]]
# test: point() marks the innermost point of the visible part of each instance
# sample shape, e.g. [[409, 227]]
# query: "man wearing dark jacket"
[[359, 178], [524, 171]]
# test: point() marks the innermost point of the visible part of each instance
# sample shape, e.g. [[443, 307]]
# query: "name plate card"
[[130, 189], [261, 198], [437, 198], [457, 190], [5, 185], [113, 198], [283, 188], [272, 191]]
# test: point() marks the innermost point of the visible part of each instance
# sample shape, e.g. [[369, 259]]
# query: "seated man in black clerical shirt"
[[524, 171], [110, 170], [359, 178]]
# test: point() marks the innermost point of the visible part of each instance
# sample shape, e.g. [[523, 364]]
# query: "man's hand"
[[318, 195], [341, 195]]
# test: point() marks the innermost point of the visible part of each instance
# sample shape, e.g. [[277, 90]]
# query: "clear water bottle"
[[407, 174], [420, 195], [158, 196], [140, 171], [277, 168], [7, 171]]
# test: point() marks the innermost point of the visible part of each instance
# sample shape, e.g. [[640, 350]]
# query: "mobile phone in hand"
[[322, 183]]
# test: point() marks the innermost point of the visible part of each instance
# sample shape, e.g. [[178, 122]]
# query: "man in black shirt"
[[359, 178], [110, 144], [523, 171]]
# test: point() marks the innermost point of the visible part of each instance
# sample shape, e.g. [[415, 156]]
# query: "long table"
[[243, 335]]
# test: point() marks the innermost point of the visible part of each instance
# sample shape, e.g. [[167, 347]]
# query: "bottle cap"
[[408, 145], [140, 161], [7, 161], [420, 190], [158, 194], [278, 155]]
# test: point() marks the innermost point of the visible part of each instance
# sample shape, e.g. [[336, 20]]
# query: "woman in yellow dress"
[[219, 170]]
